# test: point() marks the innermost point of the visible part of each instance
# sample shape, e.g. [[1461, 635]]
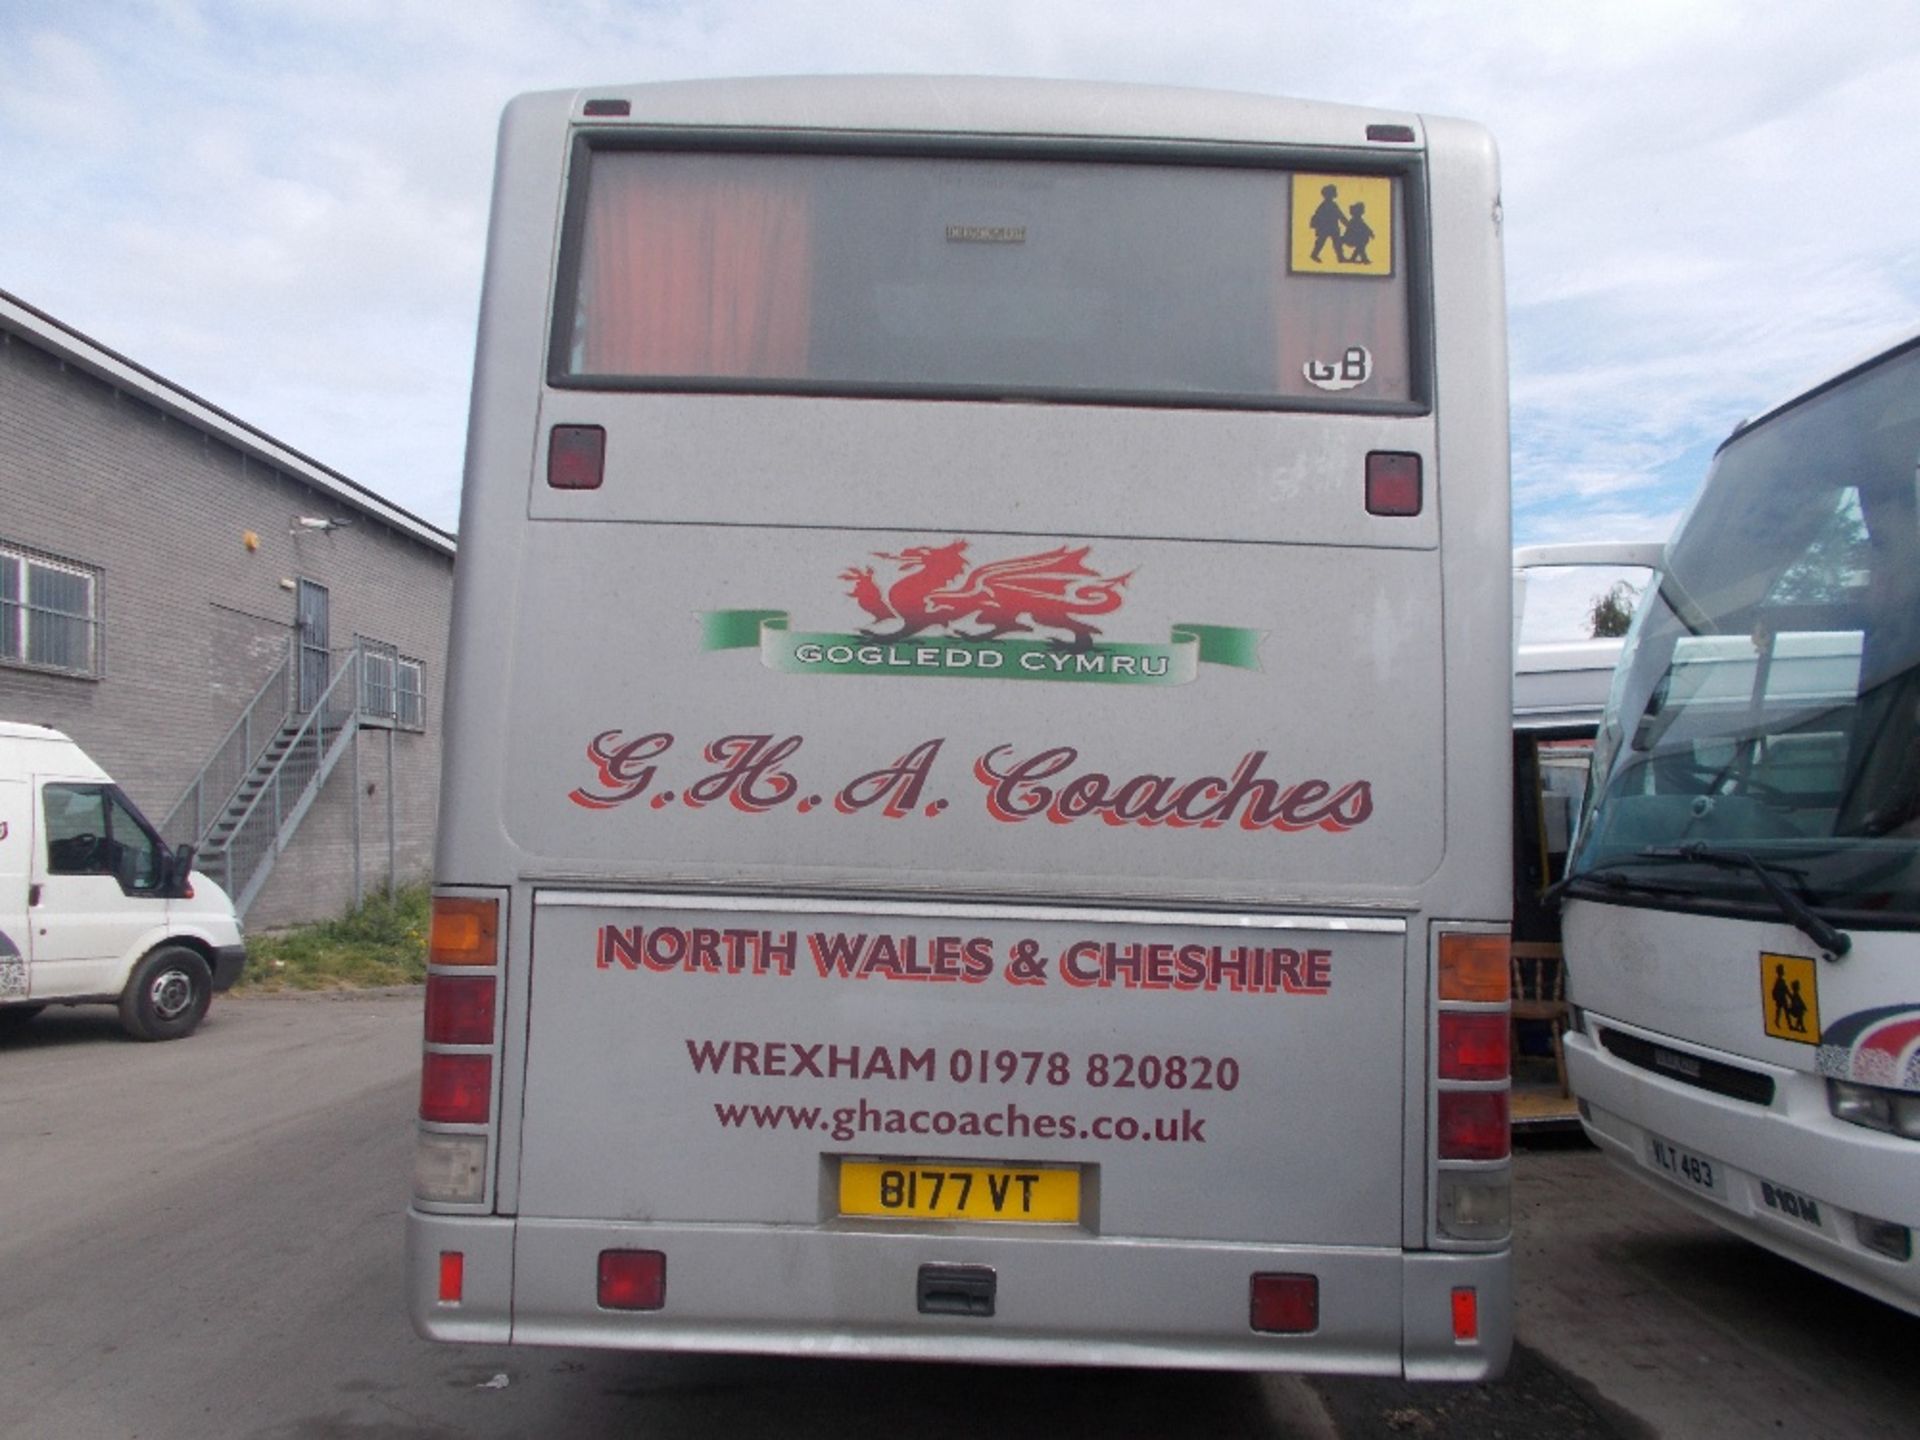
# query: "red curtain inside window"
[[689, 269]]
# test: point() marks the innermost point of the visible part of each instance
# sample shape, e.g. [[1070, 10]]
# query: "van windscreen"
[[1191, 284]]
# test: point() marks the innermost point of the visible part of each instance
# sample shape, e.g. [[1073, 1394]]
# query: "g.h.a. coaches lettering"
[[937, 589], [750, 774]]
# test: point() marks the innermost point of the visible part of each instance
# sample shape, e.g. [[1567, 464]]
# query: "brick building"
[[250, 642]]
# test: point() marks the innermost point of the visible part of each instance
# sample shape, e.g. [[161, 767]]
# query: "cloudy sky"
[[281, 204]]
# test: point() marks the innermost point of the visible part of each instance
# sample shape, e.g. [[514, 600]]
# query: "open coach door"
[[1559, 691]]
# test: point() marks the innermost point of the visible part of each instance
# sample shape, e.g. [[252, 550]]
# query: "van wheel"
[[167, 996]]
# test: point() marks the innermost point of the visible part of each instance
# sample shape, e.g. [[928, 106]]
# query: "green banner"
[[1123, 663]]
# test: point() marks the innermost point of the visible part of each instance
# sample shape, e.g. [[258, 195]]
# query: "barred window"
[[391, 686], [48, 612], [376, 679], [410, 711]]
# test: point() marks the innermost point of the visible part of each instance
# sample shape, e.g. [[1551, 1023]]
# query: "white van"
[[93, 907]]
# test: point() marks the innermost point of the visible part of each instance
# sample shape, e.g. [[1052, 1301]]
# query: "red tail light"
[[1473, 1045], [633, 1279], [459, 1009], [576, 457], [1473, 1125], [1286, 1304], [1466, 1313], [453, 1276], [456, 1089], [1393, 483]]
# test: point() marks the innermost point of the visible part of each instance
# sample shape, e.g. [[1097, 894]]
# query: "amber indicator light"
[[1474, 967], [465, 931]]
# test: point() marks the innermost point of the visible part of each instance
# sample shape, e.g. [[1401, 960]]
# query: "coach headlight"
[[1895, 1111]]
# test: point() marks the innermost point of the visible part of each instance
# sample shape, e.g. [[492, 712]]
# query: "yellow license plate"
[[898, 1190]]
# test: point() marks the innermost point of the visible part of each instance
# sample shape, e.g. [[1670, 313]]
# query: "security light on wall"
[[317, 522]]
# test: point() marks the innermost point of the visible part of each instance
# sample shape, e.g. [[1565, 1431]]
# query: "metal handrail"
[[306, 755], [244, 729]]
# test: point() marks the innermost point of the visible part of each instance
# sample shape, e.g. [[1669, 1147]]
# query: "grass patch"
[[384, 942]]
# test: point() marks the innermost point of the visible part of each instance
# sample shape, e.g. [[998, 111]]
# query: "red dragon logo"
[[1055, 589]]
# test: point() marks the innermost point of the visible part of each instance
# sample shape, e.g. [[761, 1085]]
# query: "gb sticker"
[[1354, 367]]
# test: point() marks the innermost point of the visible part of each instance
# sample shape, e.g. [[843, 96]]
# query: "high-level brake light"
[[576, 457], [1393, 483]]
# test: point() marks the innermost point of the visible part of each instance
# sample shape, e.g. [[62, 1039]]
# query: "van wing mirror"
[[179, 872]]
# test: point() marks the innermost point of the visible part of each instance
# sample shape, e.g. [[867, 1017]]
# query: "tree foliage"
[[1609, 614]]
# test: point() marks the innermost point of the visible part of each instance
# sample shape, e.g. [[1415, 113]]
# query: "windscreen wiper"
[[1833, 942], [1605, 876]]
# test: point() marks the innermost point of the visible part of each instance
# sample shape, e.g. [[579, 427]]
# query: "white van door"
[[16, 844], [97, 877]]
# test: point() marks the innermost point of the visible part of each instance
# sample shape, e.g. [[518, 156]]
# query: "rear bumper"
[[228, 962], [852, 1293]]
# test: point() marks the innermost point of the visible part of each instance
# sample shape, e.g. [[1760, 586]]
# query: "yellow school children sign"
[[1342, 225], [1790, 997]]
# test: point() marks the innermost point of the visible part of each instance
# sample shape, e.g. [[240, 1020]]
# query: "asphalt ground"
[[203, 1239]]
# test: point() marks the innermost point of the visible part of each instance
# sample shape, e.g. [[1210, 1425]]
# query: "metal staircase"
[[242, 809]]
